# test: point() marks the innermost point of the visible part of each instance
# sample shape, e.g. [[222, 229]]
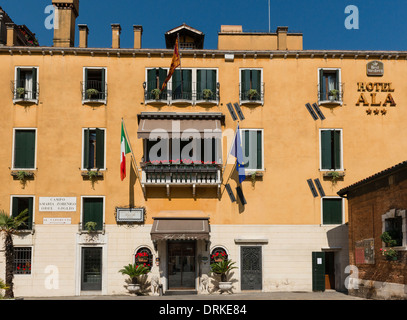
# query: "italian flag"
[[124, 149]]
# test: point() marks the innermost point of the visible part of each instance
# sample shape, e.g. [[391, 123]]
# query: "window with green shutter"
[[24, 149], [155, 80], [19, 204], [94, 86], [331, 149], [92, 211], [250, 84], [332, 210], [26, 84], [182, 84], [206, 84], [252, 145], [329, 85], [94, 149]]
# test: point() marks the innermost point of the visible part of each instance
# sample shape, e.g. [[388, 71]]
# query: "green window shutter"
[[100, 148], [259, 150], [332, 211], [18, 79], [256, 79], [246, 148], [337, 148], [321, 85], [86, 162], [187, 82], [176, 84], [326, 159], [201, 81], [245, 84], [337, 86], [102, 94], [162, 75], [93, 211], [151, 80], [34, 80], [24, 149], [86, 79]]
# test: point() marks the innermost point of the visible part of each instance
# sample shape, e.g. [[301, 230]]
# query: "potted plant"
[[389, 253], [223, 267], [90, 226], [333, 94], [156, 93], [207, 94], [20, 92], [92, 92], [134, 271], [142, 257], [386, 238], [252, 93]]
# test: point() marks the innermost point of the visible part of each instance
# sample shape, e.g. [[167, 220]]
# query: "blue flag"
[[237, 152]]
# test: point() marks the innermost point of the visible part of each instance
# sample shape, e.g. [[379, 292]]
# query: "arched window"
[[218, 254], [144, 257]]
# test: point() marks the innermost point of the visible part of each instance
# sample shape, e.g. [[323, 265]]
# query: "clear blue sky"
[[382, 24]]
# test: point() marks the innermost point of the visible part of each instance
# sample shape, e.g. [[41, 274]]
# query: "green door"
[[318, 271]]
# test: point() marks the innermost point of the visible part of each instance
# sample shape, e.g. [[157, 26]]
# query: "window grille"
[[22, 260]]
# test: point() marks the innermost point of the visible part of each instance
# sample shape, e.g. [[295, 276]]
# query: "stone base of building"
[[284, 256], [379, 290]]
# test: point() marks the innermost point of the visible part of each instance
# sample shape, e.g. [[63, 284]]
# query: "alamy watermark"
[[51, 21], [352, 20]]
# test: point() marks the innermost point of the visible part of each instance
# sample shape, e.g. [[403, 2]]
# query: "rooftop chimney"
[[282, 38], [11, 34], [83, 35], [138, 32], [116, 30], [66, 12]]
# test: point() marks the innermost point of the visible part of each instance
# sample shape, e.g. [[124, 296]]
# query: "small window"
[[206, 85], [25, 86], [394, 227], [331, 149], [252, 145], [94, 85], [20, 204], [155, 80], [93, 149], [330, 88], [22, 260], [182, 84], [144, 257], [92, 211], [218, 254], [251, 86], [24, 149], [332, 210]]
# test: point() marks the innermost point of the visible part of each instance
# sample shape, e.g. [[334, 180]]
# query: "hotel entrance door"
[[181, 264]]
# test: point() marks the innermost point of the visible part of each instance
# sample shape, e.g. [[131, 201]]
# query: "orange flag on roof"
[[175, 62]]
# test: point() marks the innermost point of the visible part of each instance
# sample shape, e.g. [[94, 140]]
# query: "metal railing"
[[23, 91], [94, 90], [253, 95], [181, 174], [175, 92], [333, 96]]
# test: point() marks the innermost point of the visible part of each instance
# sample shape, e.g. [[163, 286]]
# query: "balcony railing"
[[251, 96], [175, 93], [94, 91], [330, 96], [25, 92], [181, 175]]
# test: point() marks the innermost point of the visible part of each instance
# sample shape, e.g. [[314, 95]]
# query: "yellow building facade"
[[313, 122]]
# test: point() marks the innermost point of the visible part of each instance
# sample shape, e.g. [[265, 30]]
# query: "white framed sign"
[[130, 214], [56, 220], [58, 204]]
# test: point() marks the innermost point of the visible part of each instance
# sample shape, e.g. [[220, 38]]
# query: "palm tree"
[[9, 226]]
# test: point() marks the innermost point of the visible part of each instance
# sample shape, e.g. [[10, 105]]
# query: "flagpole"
[[230, 150], [132, 155], [180, 68]]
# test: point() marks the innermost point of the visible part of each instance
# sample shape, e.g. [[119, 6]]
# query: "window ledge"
[[95, 173], [156, 102], [251, 102], [25, 101], [94, 101], [333, 173], [207, 102], [328, 103]]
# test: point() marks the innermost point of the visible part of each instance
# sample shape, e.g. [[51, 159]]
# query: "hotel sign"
[[57, 204], [375, 68], [375, 94]]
